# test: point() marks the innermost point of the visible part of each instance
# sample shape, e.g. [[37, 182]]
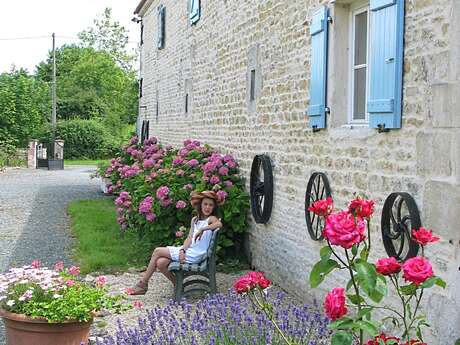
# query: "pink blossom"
[[36, 264], [101, 280], [146, 205], [165, 202], [214, 179], [228, 184], [177, 161], [181, 204], [150, 217], [222, 195], [153, 174], [188, 186], [180, 234], [416, 270], [209, 167], [162, 192], [70, 282], [223, 171], [134, 140], [148, 163], [231, 164], [74, 270], [334, 304], [193, 163], [180, 172], [183, 152], [59, 266], [228, 158]]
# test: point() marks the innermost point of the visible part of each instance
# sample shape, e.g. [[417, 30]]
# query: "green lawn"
[[85, 162], [99, 246]]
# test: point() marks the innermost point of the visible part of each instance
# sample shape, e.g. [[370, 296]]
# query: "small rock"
[[89, 278]]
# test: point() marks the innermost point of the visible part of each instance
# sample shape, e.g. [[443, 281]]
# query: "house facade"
[[366, 92]]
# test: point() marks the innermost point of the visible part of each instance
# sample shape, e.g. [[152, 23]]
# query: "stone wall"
[[211, 61]]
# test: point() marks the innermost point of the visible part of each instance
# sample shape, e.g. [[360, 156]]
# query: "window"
[[195, 11], [141, 82], [161, 27], [252, 94], [186, 103], [356, 64], [359, 42]]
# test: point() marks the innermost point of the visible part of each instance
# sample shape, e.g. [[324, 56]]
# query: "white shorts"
[[174, 252]]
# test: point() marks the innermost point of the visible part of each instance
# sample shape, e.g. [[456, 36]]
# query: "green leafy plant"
[[56, 295]]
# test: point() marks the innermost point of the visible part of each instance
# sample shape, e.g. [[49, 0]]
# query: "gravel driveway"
[[33, 221]]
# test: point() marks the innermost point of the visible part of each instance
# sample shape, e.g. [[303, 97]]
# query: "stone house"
[[366, 92]]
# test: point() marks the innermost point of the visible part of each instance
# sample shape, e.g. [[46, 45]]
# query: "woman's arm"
[[189, 238], [214, 223]]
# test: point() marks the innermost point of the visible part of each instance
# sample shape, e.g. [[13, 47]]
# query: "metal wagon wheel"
[[261, 188], [318, 188], [399, 216]]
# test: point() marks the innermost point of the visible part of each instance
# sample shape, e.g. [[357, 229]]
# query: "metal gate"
[[42, 156]]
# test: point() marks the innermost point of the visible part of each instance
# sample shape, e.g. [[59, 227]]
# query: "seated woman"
[[195, 246]]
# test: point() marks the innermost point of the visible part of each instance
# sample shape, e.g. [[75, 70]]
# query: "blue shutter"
[[195, 9], [318, 77], [161, 27], [386, 64]]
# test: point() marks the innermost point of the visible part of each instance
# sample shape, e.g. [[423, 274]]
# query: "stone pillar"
[[32, 154]]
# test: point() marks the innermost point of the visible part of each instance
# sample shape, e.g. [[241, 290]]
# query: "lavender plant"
[[225, 319]]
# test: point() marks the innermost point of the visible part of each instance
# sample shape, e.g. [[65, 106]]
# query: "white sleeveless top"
[[198, 249]]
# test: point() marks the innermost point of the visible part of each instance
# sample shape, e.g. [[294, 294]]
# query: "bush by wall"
[[153, 184]]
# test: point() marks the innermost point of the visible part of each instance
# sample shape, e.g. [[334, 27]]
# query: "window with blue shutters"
[[161, 27], [318, 77], [195, 11]]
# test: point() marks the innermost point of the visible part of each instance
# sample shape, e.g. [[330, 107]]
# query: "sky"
[[40, 18]]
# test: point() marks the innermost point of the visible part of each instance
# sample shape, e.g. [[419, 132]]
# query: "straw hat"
[[196, 197]]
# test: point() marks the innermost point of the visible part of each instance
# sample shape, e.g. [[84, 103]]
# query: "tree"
[[110, 36], [90, 85], [24, 107]]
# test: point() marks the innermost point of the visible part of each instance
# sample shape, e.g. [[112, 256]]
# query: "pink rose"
[[361, 208], [417, 270], [423, 236], [322, 208], [334, 304], [70, 282], [388, 266], [341, 229]]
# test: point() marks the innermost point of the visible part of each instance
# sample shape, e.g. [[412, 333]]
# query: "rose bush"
[[153, 184], [348, 249], [54, 294]]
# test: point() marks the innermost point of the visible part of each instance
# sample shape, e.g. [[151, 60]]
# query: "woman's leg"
[[160, 252], [162, 264]]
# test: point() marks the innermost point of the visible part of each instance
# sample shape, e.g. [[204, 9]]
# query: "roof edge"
[[139, 6]]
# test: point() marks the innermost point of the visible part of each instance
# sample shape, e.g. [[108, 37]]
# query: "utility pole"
[[53, 98]]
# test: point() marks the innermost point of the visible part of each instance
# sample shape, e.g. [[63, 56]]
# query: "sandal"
[[139, 289]]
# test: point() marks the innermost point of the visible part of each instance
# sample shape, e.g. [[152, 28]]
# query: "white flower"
[[57, 296], [22, 298], [10, 303], [2, 298]]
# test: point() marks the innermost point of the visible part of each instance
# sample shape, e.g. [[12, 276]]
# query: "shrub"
[[83, 139], [154, 185]]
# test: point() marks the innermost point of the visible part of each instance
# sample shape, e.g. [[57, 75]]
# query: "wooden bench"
[[201, 274]]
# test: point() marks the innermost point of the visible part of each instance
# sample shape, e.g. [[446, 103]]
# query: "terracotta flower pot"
[[24, 330]]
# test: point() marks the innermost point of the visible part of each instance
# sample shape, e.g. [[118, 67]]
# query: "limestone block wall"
[[211, 62]]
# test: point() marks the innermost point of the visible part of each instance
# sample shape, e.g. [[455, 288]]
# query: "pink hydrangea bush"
[[153, 183], [348, 248]]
